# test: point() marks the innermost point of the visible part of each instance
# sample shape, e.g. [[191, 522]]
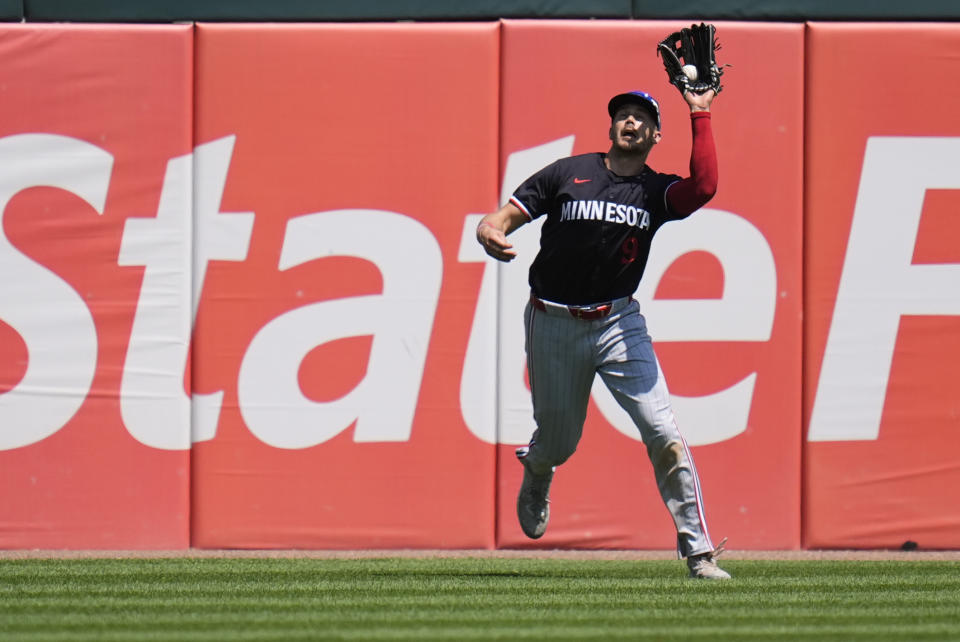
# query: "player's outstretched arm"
[[493, 229], [690, 194]]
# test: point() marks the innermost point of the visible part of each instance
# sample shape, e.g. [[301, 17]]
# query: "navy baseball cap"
[[639, 97]]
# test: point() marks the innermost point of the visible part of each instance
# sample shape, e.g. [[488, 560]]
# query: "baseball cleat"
[[533, 502], [704, 566]]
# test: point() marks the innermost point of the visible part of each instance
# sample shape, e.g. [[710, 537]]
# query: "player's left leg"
[[630, 369]]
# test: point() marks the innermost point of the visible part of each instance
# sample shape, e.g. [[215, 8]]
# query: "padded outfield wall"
[[243, 306]]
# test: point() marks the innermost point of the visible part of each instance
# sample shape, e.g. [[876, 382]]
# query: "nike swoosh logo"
[[582, 180]]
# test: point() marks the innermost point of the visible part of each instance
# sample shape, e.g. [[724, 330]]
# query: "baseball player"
[[602, 211]]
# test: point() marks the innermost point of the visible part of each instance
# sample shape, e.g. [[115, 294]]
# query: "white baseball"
[[690, 71]]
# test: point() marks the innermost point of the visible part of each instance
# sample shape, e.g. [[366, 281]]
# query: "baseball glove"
[[692, 48]]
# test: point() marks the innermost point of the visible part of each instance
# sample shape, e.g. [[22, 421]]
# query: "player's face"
[[634, 128]]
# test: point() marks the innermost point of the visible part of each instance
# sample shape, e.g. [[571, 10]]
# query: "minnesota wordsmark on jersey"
[[605, 211], [596, 239]]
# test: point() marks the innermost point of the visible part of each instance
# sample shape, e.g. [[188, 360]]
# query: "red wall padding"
[[338, 340], [90, 117], [882, 380], [724, 309], [243, 306]]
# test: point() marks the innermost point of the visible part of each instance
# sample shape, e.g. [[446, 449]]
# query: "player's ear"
[[610, 133], [657, 135]]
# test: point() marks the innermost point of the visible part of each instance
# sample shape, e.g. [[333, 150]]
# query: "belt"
[[583, 312]]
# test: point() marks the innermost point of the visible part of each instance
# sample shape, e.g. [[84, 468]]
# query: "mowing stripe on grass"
[[474, 599]]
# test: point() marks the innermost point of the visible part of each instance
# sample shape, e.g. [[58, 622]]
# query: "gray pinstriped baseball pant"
[[563, 356]]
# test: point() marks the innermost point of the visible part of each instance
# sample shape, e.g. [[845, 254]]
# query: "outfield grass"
[[474, 599]]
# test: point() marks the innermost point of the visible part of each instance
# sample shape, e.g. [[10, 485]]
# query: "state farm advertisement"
[[95, 198], [721, 292], [243, 305], [296, 302], [882, 393]]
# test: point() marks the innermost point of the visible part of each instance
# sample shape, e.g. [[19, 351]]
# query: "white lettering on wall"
[[493, 368], [217, 236], [744, 312], [175, 249], [50, 316], [879, 283], [400, 321], [153, 404]]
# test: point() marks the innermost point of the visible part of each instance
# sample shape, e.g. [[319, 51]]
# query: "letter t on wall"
[[152, 402]]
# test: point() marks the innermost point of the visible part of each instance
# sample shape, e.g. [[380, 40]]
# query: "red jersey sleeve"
[[690, 194]]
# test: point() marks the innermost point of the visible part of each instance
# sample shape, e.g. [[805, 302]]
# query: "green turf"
[[474, 599]]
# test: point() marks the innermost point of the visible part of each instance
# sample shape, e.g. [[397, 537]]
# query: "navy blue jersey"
[[596, 239]]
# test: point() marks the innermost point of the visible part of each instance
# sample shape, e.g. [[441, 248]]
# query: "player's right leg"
[[560, 367]]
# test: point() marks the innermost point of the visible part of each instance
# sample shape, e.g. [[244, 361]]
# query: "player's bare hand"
[[495, 242], [699, 102]]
